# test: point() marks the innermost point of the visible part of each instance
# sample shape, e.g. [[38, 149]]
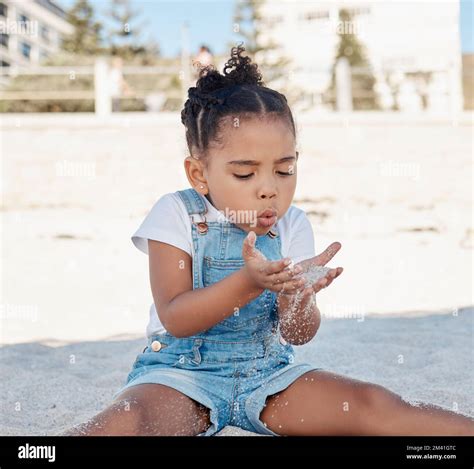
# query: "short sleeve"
[[167, 222], [301, 239]]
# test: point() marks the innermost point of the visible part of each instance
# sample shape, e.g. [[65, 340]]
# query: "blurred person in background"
[[118, 85], [203, 58]]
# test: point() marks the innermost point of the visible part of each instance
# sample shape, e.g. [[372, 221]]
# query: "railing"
[[342, 97], [99, 91]]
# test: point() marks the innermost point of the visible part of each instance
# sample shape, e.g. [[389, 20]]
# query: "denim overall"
[[235, 365]]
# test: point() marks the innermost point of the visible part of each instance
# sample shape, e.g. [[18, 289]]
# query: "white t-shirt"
[[168, 221]]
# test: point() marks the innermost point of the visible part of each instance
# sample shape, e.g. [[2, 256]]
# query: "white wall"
[[399, 36]]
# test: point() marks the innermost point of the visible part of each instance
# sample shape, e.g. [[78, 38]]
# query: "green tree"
[[349, 46], [125, 32], [249, 21], [86, 37]]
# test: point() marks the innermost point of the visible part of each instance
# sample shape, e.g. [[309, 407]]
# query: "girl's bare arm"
[[185, 312], [299, 317], [298, 312], [182, 310]]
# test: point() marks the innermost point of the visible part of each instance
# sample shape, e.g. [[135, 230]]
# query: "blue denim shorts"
[[231, 378]]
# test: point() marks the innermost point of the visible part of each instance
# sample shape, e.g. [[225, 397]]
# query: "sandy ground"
[[428, 358], [397, 193]]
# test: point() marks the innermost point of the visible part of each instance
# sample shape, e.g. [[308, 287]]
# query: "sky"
[[210, 22]]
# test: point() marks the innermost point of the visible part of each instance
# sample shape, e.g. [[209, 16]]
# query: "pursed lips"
[[267, 213]]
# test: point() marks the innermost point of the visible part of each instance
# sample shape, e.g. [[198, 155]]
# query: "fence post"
[[185, 72], [455, 85], [103, 102], [343, 85]]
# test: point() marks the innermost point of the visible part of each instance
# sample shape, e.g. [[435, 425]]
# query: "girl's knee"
[[377, 405], [120, 418], [160, 410], [374, 396]]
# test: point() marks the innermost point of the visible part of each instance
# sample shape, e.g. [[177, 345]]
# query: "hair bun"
[[238, 70], [243, 71], [238, 91]]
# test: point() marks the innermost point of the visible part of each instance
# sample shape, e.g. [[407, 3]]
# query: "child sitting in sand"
[[234, 279]]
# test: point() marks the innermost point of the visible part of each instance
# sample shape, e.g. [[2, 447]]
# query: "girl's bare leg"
[[145, 410], [324, 403]]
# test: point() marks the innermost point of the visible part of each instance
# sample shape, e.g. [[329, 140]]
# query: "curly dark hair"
[[239, 93]]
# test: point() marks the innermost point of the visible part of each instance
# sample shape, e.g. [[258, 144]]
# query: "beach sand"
[[46, 389], [395, 192]]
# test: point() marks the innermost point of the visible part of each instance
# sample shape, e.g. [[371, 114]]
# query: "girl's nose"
[[266, 193]]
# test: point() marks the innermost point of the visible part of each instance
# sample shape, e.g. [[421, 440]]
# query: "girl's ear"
[[195, 174]]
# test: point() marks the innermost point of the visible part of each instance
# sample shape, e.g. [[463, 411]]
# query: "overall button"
[[156, 345]]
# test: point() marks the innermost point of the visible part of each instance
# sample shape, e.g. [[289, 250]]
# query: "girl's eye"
[[247, 176]]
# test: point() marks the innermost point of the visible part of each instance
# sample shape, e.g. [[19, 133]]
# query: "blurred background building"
[[323, 55], [32, 31], [411, 50]]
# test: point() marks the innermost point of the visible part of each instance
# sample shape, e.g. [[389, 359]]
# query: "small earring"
[[202, 187]]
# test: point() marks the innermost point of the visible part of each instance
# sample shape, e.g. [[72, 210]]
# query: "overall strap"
[[193, 201]]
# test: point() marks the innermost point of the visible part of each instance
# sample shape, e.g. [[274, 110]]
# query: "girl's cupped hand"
[[276, 276], [281, 276], [320, 260]]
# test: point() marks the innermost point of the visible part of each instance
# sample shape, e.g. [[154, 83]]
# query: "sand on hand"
[[314, 273]]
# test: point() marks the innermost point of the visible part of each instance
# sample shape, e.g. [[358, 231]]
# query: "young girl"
[[228, 302]]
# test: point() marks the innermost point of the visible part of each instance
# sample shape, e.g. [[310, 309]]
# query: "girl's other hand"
[[321, 260], [276, 276]]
